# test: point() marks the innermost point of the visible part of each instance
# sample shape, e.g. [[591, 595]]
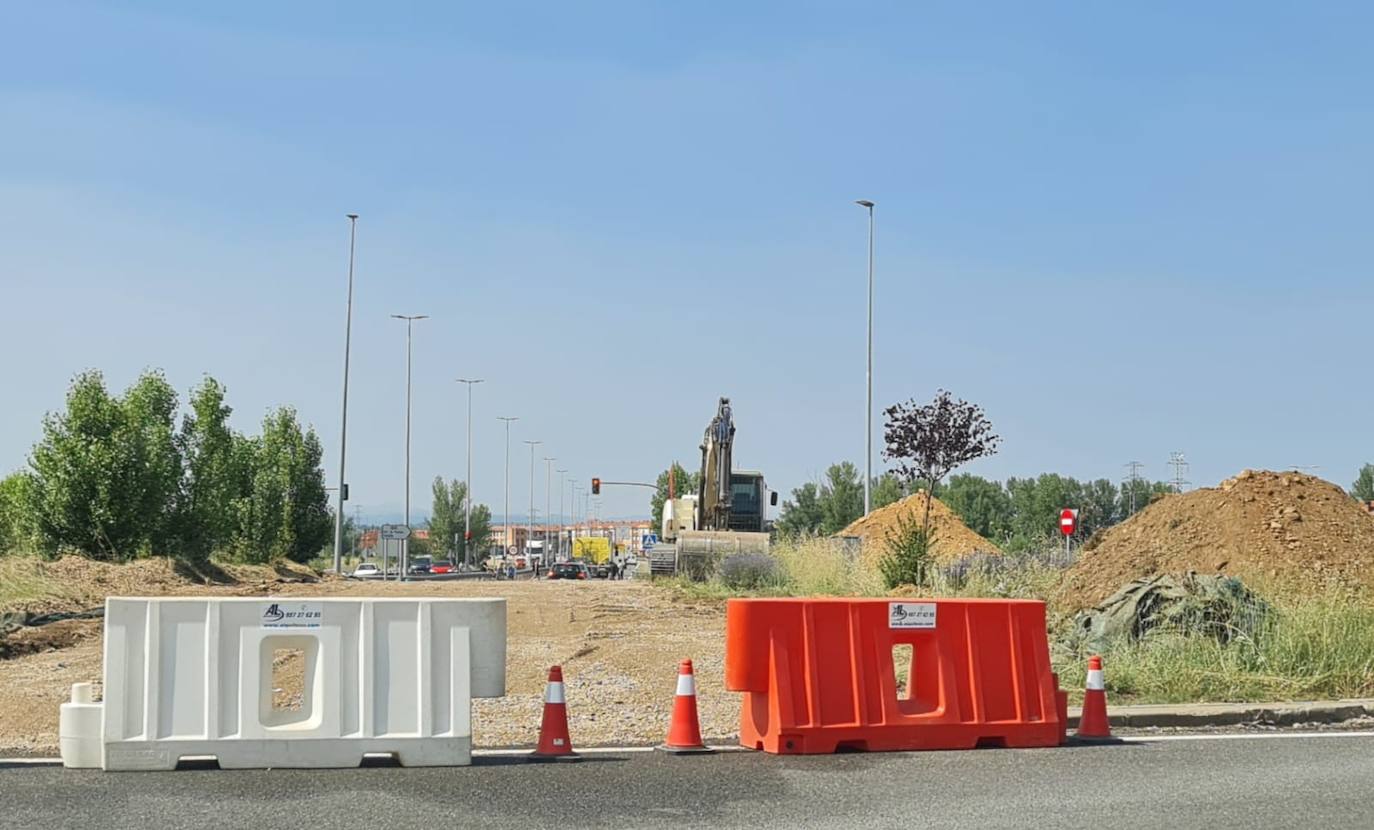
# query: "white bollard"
[[78, 729]]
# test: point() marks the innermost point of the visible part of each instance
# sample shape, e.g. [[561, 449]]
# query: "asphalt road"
[[1278, 781]]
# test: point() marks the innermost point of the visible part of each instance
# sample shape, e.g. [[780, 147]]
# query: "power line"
[[1133, 481], [1180, 465]]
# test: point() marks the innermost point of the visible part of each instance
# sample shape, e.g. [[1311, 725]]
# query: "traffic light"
[[596, 487]]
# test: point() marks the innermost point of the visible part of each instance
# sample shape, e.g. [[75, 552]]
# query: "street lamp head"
[[351, 215], [864, 203], [411, 316], [467, 381]]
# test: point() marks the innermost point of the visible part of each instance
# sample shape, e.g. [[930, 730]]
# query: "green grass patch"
[[1313, 648]]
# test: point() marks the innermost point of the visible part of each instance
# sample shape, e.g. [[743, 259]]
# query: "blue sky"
[[1122, 230]]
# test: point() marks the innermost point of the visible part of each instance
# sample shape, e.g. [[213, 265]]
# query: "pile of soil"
[[75, 583], [1277, 531], [952, 539]]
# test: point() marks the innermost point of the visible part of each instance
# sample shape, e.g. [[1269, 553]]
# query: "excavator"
[[726, 515]]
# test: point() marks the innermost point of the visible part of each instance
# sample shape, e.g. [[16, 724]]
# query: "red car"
[[443, 568]]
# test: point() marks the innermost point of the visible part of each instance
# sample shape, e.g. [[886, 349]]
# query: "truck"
[[728, 514], [594, 550]]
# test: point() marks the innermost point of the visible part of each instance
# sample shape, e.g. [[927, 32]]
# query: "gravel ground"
[[619, 644]]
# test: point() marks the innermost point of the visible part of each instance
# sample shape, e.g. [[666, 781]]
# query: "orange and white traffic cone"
[[684, 731], [554, 740], [1092, 723]]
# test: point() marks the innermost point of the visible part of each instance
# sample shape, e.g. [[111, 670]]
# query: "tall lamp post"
[[467, 509], [505, 532], [529, 518], [343, 429], [868, 406], [405, 545], [573, 514], [548, 515], [561, 515]]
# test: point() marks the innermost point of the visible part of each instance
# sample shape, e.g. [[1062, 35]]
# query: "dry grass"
[[25, 582]]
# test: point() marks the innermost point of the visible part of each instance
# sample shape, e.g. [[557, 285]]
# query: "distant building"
[[627, 534]]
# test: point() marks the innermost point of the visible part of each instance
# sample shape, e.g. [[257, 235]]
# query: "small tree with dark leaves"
[[930, 441]]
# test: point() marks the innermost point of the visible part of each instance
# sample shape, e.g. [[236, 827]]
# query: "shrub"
[[749, 571], [908, 559]]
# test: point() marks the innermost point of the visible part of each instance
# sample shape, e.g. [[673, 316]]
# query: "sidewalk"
[[1234, 714]]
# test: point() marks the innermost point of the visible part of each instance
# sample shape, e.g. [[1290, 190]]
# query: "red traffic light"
[[596, 487]]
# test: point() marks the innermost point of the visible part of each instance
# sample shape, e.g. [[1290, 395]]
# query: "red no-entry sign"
[[1068, 521]]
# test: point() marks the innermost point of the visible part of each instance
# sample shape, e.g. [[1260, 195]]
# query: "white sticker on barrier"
[[291, 614], [911, 615]]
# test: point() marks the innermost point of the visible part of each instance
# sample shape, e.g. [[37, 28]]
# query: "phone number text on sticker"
[[292, 615], [911, 615]]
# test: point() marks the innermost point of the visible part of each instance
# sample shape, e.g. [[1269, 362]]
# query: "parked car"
[[367, 569], [443, 568], [568, 570], [601, 571]]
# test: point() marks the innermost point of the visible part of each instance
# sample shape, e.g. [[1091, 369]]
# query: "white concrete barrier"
[[296, 682]]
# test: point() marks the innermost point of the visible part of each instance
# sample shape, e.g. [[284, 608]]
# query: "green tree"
[[684, 482], [446, 516], [480, 542], [1363, 488], [887, 489], [1098, 507], [217, 473], [15, 530], [106, 473], [981, 504], [841, 497], [828, 507], [285, 512], [1136, 495], [801, 515], [1036, 503]]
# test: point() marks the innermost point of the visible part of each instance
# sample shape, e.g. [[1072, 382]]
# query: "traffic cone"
[[1092, 723], [684, 732], [554, 740]]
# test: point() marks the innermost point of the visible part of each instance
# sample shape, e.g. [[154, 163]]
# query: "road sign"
[[648, 541], [1068, 521], [395, 532]]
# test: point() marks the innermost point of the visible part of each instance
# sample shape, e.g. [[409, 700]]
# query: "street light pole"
[[573, 515], [548, 517], [529, 517], [343, 429], [505, 531], [467, 509], [868, 406], [405, 545], [561, 516]]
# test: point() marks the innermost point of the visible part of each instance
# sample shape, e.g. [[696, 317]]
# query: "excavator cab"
[[748, 497]]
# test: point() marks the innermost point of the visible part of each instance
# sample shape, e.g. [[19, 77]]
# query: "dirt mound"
[[1285, 531], [953, 538], [29, 585]]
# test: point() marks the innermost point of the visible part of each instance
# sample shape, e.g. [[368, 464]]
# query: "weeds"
[[1305, 647], [908, 559]]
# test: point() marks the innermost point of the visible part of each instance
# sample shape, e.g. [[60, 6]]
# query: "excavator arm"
[[713, 494]]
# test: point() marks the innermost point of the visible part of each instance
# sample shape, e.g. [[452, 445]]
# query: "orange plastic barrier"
[[819, 674]]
